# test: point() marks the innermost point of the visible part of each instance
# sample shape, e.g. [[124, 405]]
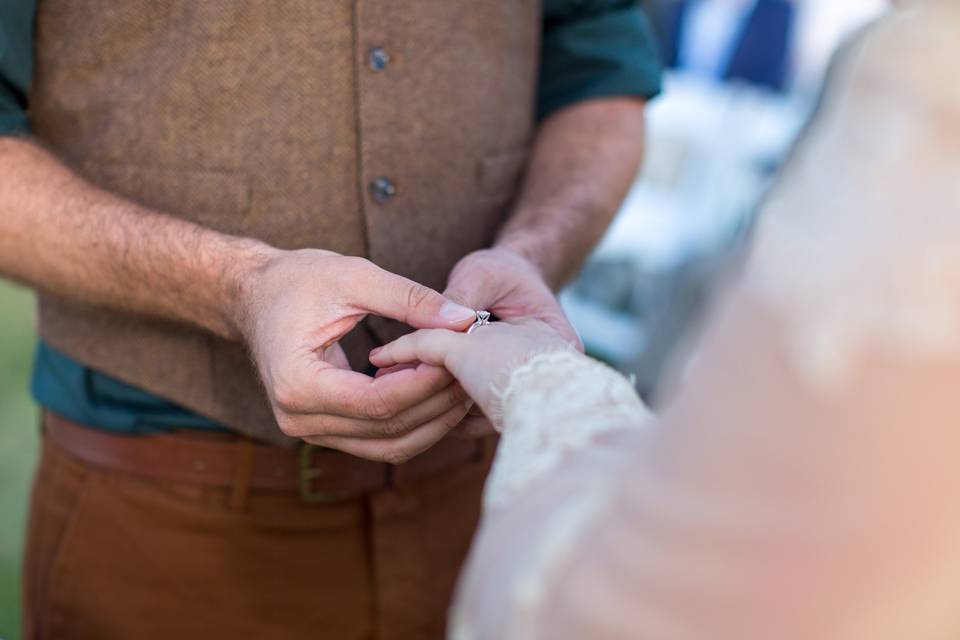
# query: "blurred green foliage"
[[18, 444]]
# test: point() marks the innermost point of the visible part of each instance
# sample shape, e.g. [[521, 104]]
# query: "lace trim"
[[555, 404]]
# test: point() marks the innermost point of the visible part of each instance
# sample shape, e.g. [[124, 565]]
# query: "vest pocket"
[[217, 199], [498, 174]]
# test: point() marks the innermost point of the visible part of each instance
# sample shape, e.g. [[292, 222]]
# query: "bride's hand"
[[479, 360]]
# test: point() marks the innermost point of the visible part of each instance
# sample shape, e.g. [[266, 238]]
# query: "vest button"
[[378, 58], [382, 189]]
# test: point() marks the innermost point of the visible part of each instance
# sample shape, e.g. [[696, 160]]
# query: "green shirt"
[[590, 48]]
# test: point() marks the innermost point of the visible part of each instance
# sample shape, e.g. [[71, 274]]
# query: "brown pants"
[[113, 556]]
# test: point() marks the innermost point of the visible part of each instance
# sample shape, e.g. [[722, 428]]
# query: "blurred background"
[[18, 444], [744, 75]]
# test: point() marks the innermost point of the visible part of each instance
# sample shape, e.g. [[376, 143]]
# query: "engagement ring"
[[483, 318]]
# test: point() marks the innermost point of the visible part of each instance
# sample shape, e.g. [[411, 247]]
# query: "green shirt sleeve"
[[595, 48], [590, 48], [16, 64]]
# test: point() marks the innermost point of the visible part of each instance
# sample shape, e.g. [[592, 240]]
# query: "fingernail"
[[375, 351], [456, 312]]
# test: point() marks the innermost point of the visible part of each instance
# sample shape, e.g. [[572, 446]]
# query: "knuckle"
[[395, 455], [356, 264], [393, 427], [374, 406], [319, 441], [289, 426], [288, 397], [418, 295]]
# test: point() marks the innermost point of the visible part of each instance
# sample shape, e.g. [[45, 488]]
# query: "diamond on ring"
[[483, 318]]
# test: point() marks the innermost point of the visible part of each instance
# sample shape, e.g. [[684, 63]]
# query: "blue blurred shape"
[[757, 50]]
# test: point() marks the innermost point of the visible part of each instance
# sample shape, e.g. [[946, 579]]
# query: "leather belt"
[[318, 474]]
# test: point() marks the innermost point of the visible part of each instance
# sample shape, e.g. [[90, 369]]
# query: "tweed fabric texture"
[[264, 119]]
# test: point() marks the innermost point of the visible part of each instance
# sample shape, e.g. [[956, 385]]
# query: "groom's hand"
[[294, 308], [509, 286]]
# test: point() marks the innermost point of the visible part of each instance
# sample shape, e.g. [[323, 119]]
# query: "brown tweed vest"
[[392, 129]]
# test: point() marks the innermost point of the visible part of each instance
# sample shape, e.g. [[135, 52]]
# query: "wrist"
[[530, 250], [240, 285], [556, 240]]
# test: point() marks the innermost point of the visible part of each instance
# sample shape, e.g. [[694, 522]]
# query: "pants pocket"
[[139, 561], [58, 490]]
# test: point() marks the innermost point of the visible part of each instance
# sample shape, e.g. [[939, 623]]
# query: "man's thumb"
[[421, 307]]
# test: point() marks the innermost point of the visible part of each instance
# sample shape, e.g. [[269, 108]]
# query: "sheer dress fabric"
[[803, 481]]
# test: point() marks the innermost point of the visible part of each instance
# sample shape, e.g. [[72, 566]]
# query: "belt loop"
[[240, 487]]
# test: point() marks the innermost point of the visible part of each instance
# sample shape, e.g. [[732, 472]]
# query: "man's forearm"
[[291, 308], [585, 158], [64, 236]]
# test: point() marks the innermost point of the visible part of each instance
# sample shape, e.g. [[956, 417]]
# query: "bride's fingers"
[[399, 367], [429, 346]]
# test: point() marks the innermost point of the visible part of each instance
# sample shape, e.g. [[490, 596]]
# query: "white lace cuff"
[[552, 406]]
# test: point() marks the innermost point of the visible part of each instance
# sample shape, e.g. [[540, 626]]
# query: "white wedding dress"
[[805, 480]]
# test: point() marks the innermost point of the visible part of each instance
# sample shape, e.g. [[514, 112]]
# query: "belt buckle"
[[307, 473]]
